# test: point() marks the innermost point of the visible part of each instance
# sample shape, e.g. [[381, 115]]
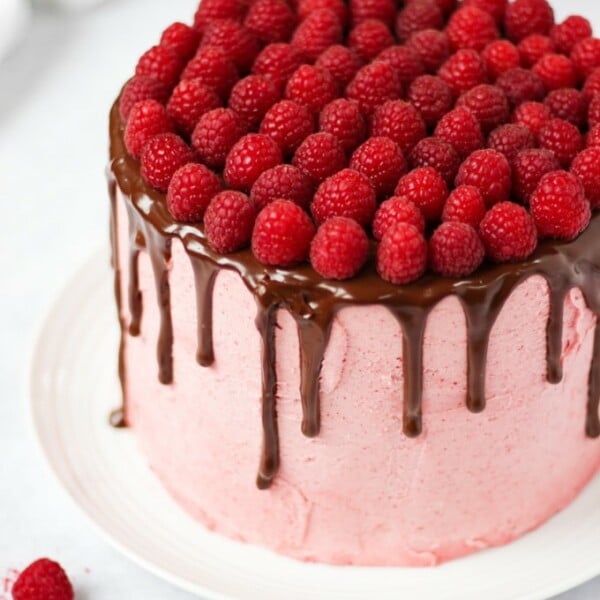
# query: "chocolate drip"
[[592, 423], [205, 274], [135, 295], [554, 343]]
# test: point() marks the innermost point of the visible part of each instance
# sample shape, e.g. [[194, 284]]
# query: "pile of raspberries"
[[424, 135]]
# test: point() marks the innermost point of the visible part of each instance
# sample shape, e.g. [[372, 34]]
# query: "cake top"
[[417, 138]]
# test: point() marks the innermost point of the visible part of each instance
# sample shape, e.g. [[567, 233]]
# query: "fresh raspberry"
[[405, 62], [249, 157], [382, 162], [341, 62], [559, 206], [146, 119], [283, 181], [399, 121], [373, 85], [488, 103], [592, 139], [500, 56], [563, 139], [432, 97], [460, 128], [161, 157], [591, 87], [312, 87], [534, 47], [455, 250], [586, 167], [160, 64], [343, 119], [288, 124], [277, 62], [43, 580], [568, 104], [319, 156], [521, 85], [394, 210], [427, 189], [402, 254], [189, 101], [339, 7], [463, 70], [496, 8], [214, 69], [524, 17], [586, 56], [465, 204], [431, 46], [190, 191], [567, 34], [435, 152], [369, 38], [556, 71], [228, 221], [446, 6], [282, 234], [215, 134], [270, 20], [317, 32], [418, 15], [471, 28], [533, 115], [593, 112], [213, 10], [339, 249], [235, 41], [180, 39], [488, 171], [137, 89], [252, 97], [508, 233], [528, 169], [347, 193], [363, 10], [511, 139]]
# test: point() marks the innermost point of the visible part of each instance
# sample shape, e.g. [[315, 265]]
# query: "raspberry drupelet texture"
[[402, 254], [465, 204], [586, 56], [568, 104], [44, 579], [455, 250], [556, 71], [190, 191], [288, 124], [463, 70], [472, 28], [234, 40], [418, 15], [592, 139], [189, 101], [563, 139], [161, 157], [510, 139], [282, 182], [570, 32], [586, 167], [369, 38], [338, 7], [383, 10], [524, 17], [496, 8], [431, 46], [593, 112], [460, 128], [373, 85], [319, 156], [394, 210], [399, 121], [500, 56], [320, 29], [528, 169], [533, 116], [213, 68], [432, 97], [405, 61], [147, 118], [312, 87], [137, 89], [341, 62], [427, 189], [343, 119], [212, 10], [488, 103], [252, 97], [270, 20], [521, 85], [488, 171], [435, 152], [181, 39], [277, 62], [591, 87], [160, 64], [534, 47]]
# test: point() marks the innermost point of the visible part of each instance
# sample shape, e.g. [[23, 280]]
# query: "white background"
[[55, 92]]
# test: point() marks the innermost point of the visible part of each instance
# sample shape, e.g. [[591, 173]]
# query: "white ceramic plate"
[[73, 389]]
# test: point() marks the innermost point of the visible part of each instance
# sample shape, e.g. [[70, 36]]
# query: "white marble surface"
[[55, 90]]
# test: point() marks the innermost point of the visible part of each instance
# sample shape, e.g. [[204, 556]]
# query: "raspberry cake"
[[356, 266]]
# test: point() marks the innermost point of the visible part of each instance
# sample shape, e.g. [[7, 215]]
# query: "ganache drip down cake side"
[[357, 271]]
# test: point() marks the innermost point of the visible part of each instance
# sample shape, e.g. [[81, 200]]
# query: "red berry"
[[591, 86], [277, 62], [418, 15], [288, 124], [180, 39], [146, 119], [559, 206], [404, 61], [488, 103], [190, 191], [252, 97], [586, 167], [460, 128], [533, 115], [214, 69], [339, 7], [312, 87], [489, 172], [138, 89], [282, 234], [189, 101], [394, 210], [215, 135], [159, 64], [463, 70], [556, 71], [528, 169], [427, 189], [431, 46], [282, 182], [534, 47], [465, 204], [382, 162], [43, 580], [369, 38], [212, 10], [341, 62], [339, 249], [402, 254], [521, 85], [510, 140], [383, 10], [563, 139], [399, 121], [343, 119], [228, 221], [270, 20], [508, 233], [432, 97], [161, 157], [234, 40], [435, 152], [500, 56], [471, 28], [524, 17], [572, 30], [347, 193], [568, 104], [496, 8], [586, 56], [373, 85], [321, 29], [319, 156], [593, 113], [249, 157], [455, 250], [592, 139]]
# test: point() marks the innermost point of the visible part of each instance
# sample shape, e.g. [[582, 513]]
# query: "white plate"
[[74, 387]]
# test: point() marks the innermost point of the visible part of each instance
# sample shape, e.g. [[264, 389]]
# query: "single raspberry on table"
[[249, 157], [394, 210], [44, 579], [534, 47], [399, 121], [511, 139], [282, 234], [382, 162], [383, 10], [319, 156], [591, 87], [569, 104], [213, 10], [190, 191], [214, 69], [228, 221], [339, 249], [418, 15], [460, 128], [288, 124], [181, 39], [405, 61], [312, 87], [369, 38], [463, 70], [341, 62], [455, 250], [472, 28], [563, 139], [161, 157], [465, 204], [432, 97], [147, 118], [160, 64], [282, 182], [586, 167], [556, 71], [140, 88], [338, 7], [252, 97], [373, 85], [521, 85], [343, 119], [508, 233], [435, 152], [592, 140], [500, 56], [277, 62], [320, 29], [189, 101], [270, 20], [533, 115], [215, 135], [347, 193], [571, 31], [528, 169], [593, 112], [488, 171], [559, 206], [488, 103], [402, 254], [586, 56], [234, 40], [427, 189], [496, 8], [431, 46], [524, 17]]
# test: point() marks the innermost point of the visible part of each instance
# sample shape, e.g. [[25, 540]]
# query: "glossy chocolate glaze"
[[313, 302]]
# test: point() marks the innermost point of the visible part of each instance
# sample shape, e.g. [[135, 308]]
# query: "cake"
[[357, 272]]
